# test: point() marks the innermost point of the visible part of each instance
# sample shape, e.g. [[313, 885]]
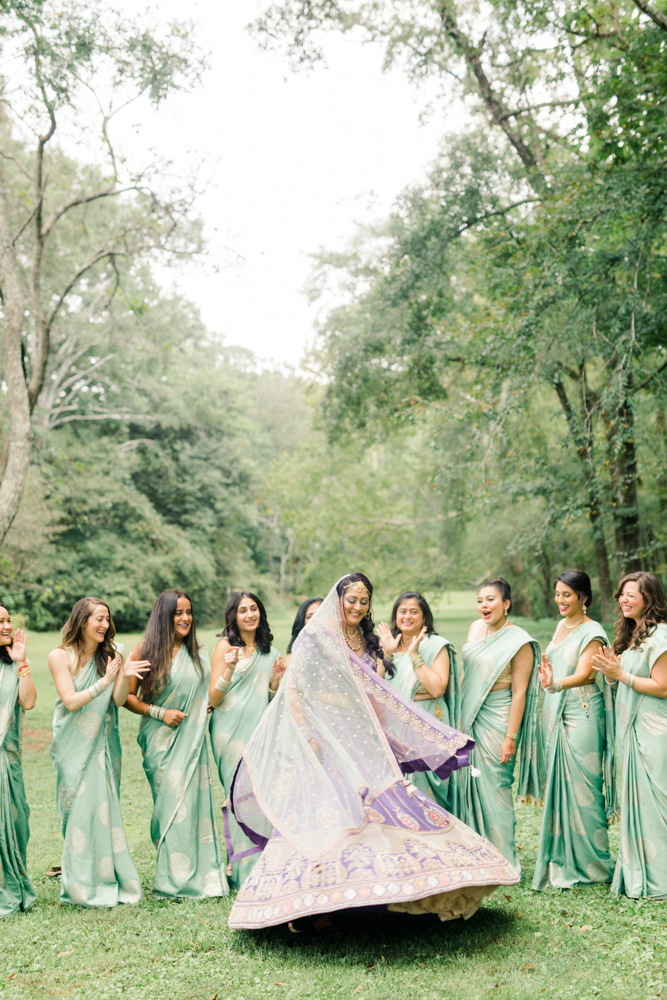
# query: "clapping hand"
[[414, 645], [136, 668], [608, 663], [17, 648], [113, 666], [546, 672], [388, 641]]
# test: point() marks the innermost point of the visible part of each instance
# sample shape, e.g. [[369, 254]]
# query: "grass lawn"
[[578, 943]]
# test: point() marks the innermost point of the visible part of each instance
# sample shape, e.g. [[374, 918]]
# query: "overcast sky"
[[294, 159]]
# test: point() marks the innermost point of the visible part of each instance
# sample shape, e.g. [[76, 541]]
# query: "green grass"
[[522, 945]]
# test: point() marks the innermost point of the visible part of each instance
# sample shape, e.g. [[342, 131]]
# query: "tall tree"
[[558, 199], [65, 59]]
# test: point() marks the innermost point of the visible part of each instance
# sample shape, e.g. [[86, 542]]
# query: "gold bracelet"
[[511, 736]]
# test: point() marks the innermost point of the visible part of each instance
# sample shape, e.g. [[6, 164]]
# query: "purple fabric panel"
[[256, 838]]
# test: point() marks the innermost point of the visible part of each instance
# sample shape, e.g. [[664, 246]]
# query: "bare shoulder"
[[59, 658], [136, 651], [222, 646], [476, 630]]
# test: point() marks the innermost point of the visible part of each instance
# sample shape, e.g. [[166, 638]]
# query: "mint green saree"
[[232, 724], [183, 827], [405, 680], [16, 891], [485, 803], [97, 869], [641, 740], [579, 745]]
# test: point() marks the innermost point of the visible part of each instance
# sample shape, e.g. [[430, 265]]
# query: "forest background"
[[488, 397]]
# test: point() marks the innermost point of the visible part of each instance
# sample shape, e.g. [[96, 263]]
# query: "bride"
[[322, 792]]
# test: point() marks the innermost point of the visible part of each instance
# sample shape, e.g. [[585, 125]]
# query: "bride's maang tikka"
[[361, 589]]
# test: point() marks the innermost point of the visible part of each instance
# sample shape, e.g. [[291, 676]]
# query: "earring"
[[506, 612]]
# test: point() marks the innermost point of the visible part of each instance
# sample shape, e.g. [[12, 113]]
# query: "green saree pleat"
[[16, 891], [183, 826], [641, 720], [232, 725], [574, 843], [97, 869], [485, 802], [405, 680]]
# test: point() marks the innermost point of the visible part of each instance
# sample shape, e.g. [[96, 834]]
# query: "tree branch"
[[656, 16]]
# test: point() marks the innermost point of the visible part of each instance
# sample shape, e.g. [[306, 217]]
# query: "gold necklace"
[[571, 628], [355, 649]]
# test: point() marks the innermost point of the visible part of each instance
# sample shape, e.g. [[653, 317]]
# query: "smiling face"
[[247, 615], [491, 606], [631, 600], [355, 606], [97, 625], [182, 619], [409, 616], [310, 611], [568, 602], [6, 627]]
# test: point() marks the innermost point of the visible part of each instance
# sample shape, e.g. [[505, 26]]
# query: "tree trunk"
[[626, 509], [20, 431], [582, 444]]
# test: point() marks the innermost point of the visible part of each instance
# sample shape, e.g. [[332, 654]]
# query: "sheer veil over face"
[[335, 737]]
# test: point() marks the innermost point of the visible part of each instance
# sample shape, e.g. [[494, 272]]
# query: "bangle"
[[272, 694], [24, 671], [611, 684], [96, 689], [308, 731], [556, 687], [222, 685], [511, 736], [418, 662], [629, 680], [157, 712]]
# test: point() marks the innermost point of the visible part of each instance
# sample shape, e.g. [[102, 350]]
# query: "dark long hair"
[[500, 584], [4, 650], [72, 634], [629, 634], [412, 595], [366, 624], [263, 635], [158, 642], [580, 583], [300, 619]]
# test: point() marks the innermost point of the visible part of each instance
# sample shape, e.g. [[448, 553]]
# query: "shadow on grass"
[[374, 937]]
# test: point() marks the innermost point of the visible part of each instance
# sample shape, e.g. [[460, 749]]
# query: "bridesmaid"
[[639, 662], [91, 682], [173, 703], [303, 616], [17, 695], [426, 671], [499, 702], [574, 843], [245, 673]]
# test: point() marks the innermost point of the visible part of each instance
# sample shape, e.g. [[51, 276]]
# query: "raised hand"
[[413, 648], [17, 648], [232, 657], [388, 642], [136, 668], [278, 669], [546, 672], [113, 666]]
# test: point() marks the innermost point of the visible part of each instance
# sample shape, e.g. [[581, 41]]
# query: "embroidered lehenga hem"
[[412, 856]]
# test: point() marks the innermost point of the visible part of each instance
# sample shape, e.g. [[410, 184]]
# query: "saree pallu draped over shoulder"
[[579, 742], [485, 802], [641, 741], [183, 827], [16, 891], [405, 680], [97, 869], [232, 724]]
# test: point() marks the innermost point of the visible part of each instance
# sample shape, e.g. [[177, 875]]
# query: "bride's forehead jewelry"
[[359, 589]]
